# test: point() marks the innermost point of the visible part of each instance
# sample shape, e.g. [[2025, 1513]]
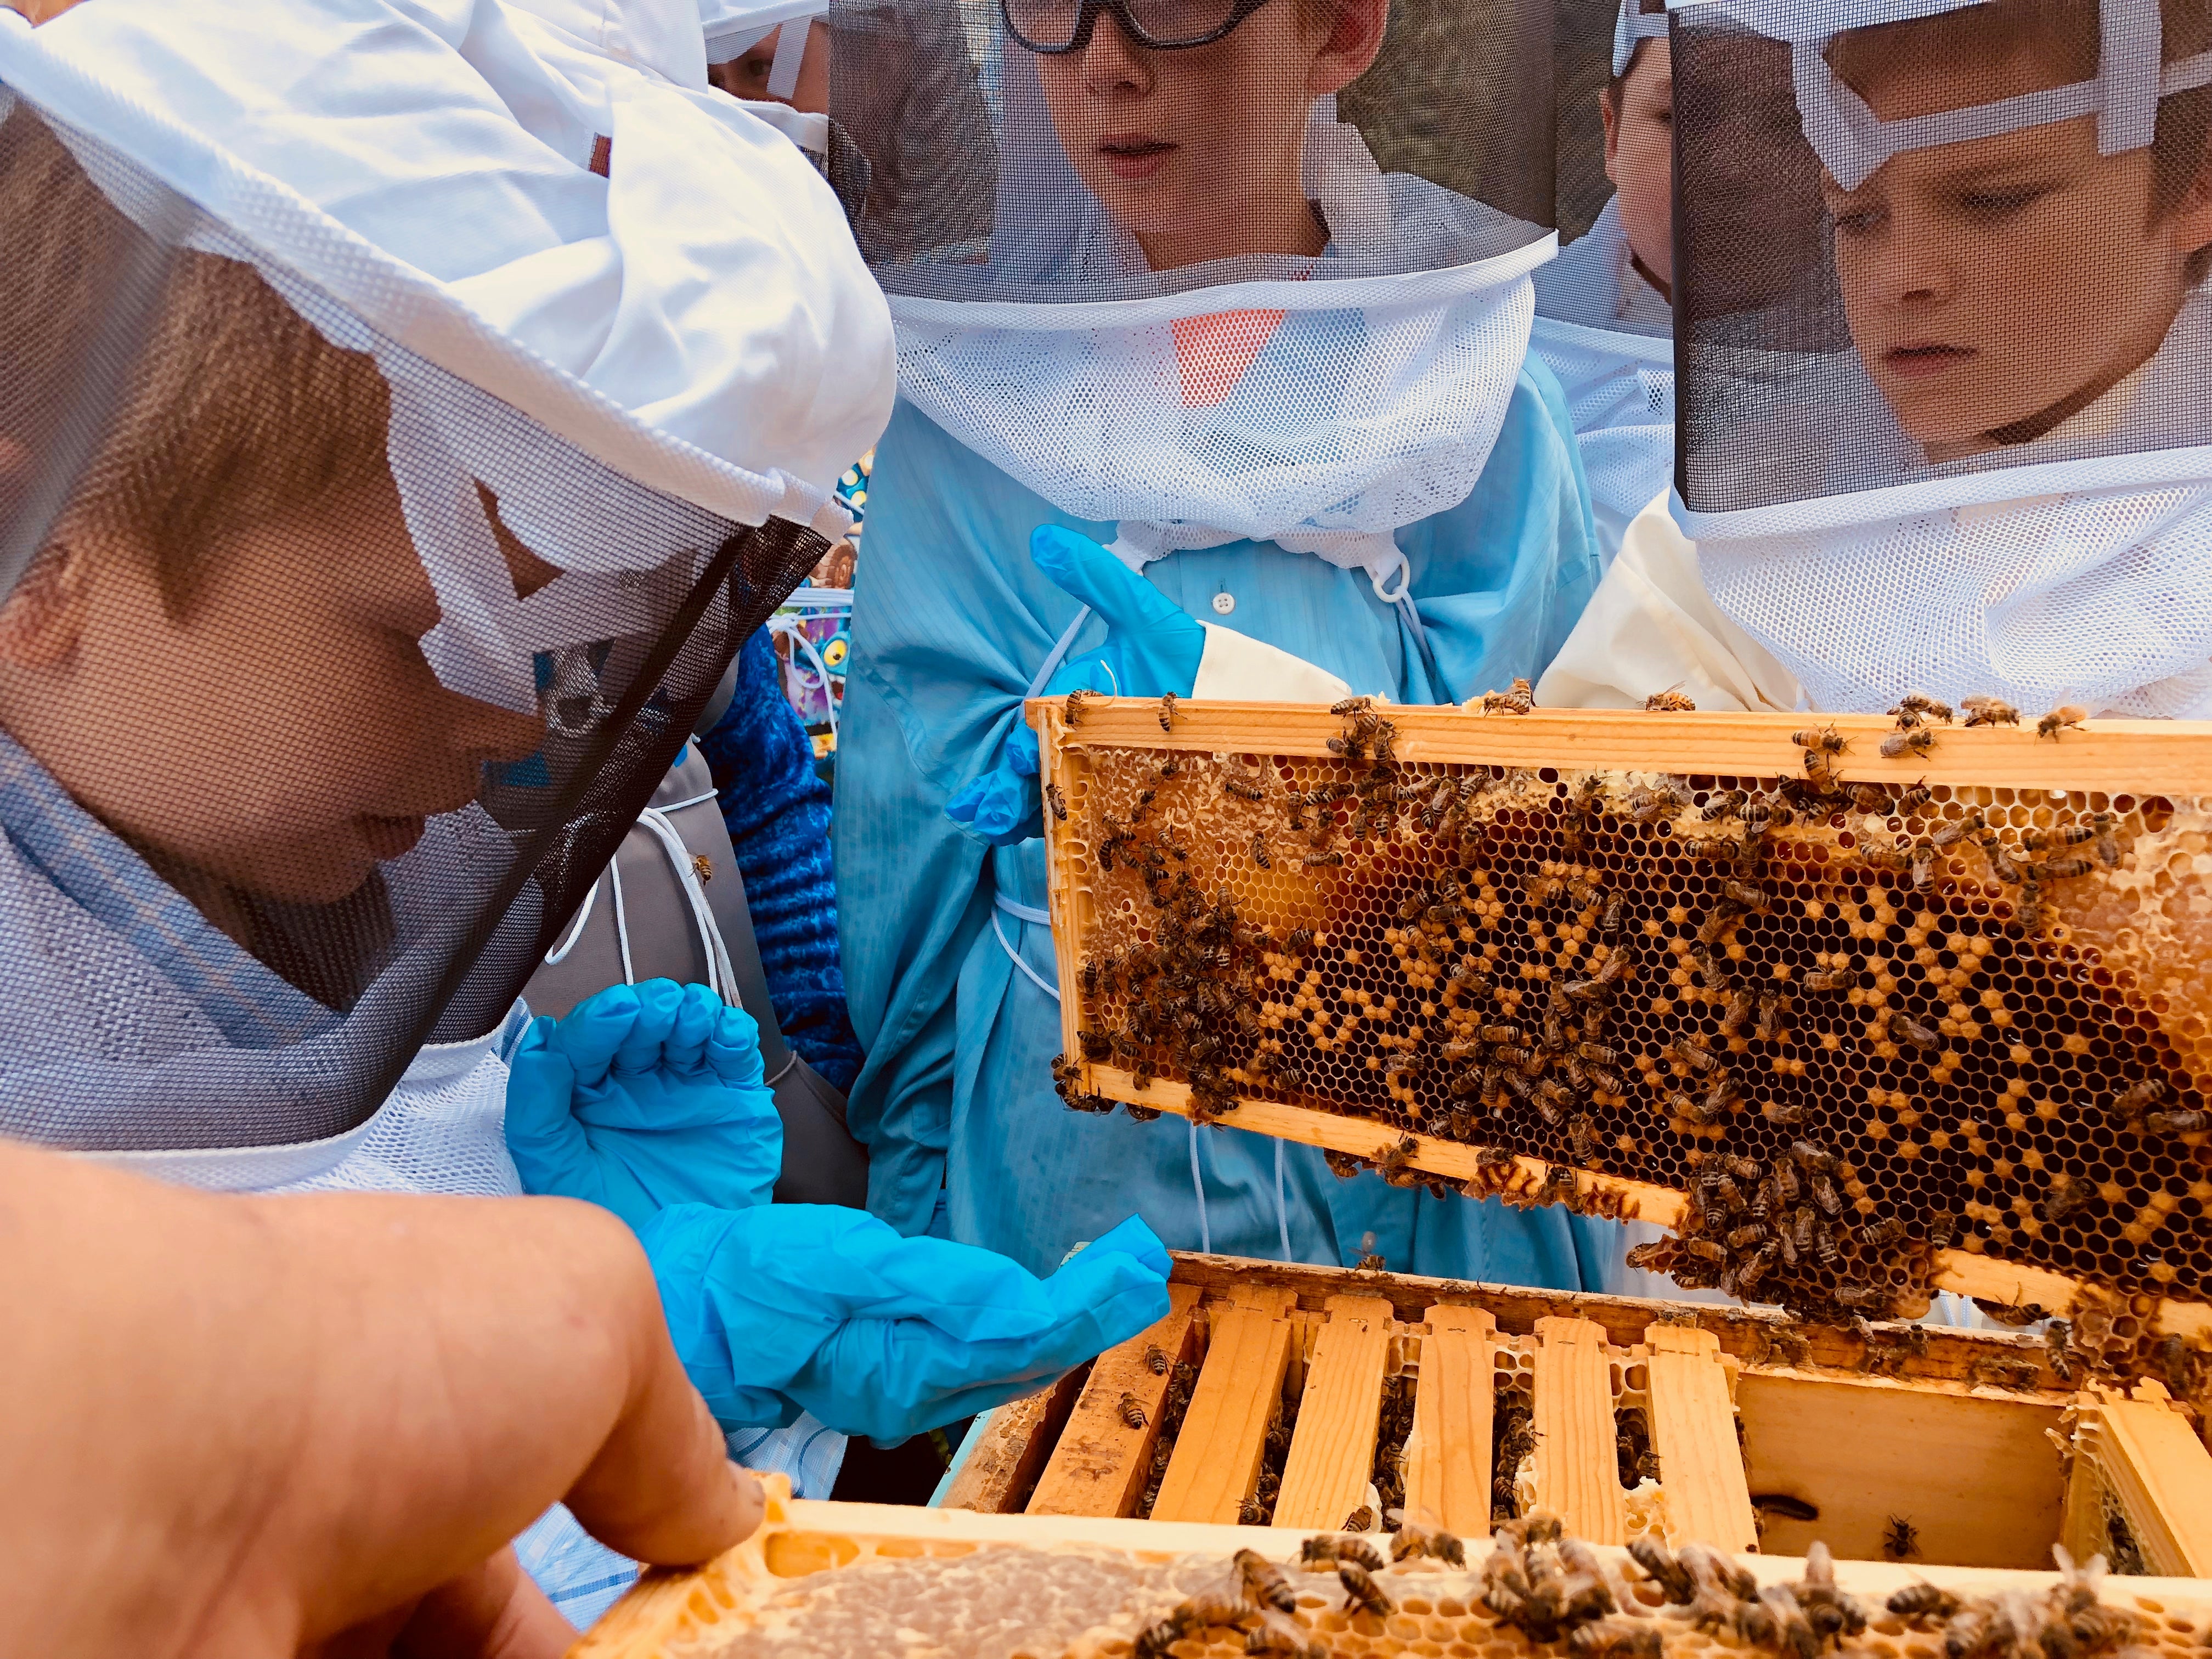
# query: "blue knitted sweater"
[[777, 808]]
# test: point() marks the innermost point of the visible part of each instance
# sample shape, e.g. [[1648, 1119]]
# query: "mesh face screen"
[[1854, 1027], [1892, 268], [257, 847], [1399, 135]]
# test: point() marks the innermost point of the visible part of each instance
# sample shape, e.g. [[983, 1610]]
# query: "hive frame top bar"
[[2115, 756]]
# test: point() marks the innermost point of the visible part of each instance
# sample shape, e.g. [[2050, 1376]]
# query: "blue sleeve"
[[777, 808], [950, 620], [1500, 579]]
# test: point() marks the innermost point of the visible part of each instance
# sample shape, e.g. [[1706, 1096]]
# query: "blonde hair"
[[235, 409]]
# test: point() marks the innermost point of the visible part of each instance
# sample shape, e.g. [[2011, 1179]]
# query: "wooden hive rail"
[[1333, 1450], [1577, 1466], [1099, 1465], [1693, 1430], [1216, 1463], [1447, 1471], [2142, 1452]]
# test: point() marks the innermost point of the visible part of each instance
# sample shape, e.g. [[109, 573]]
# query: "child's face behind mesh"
[[1639, 156], [1996, 287], [280, 733], [1196, 152]]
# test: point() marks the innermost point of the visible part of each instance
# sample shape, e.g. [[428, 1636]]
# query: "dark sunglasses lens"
[[1181, 22], [1044, 25]]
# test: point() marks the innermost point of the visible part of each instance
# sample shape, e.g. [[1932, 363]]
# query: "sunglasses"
[[1053, 26]]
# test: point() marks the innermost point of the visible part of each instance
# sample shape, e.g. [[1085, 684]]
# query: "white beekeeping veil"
[[1601, 326], [1945, 347], [468, 421], [1320, 392]]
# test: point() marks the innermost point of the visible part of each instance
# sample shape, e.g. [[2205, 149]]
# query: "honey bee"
[[1167, 711], [1721, 804], [1342, 1165], [2177, 1123], [1360, 1520], [2064, 869], [1260, 850], [1956, 831], [1751, 895], [1397, 1162], [1412, 1537], [1917, 740], [1989, 711], [2069, 1196], [1171, 766], [1821, 739], [2107, 848], [1918, 705], [1901, 1539], [1244, 787], [1925, 1600], [1692, 1055], [1519, 699], [1155, 1359], [1671, 701], [1317, 861], [1616, 1639], [1768, 1025], [1056, 798], [2131, 1103], [1906, 1030], [2059, 719], [1582, 1136], [1321, 1552], [1130, 1410], [1077, 701], [1739, 1004], [1650, 805], [1361, 1592], [1263, 1582], [1277, 1637]]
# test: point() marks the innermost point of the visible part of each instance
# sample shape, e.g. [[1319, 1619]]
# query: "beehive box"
[[1855, 1026], [848, 1581], [1322, 1398]]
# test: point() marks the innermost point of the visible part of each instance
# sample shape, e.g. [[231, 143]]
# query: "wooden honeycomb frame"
[[1842, 1420], [700, 1612], [2140, 758]]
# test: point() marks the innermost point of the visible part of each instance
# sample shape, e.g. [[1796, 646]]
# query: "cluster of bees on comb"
[[1559, 1593], [1828, 1012]]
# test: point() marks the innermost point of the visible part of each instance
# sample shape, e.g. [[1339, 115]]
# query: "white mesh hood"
[[738, 359], [1917, 449], [1320, 400]]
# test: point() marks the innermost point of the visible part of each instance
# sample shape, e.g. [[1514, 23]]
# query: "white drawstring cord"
[[721, 975], [1014, 956], [559, 953]]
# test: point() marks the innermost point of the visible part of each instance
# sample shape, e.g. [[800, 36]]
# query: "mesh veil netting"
[[1945, 350], [1272, 286], [328, 682]]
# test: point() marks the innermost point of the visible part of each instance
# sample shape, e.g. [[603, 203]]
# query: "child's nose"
[[1921, 267], [1112, 62]]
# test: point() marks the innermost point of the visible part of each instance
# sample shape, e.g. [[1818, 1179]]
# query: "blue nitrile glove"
[[1151, 648], [794, 1307], [645, 1096]]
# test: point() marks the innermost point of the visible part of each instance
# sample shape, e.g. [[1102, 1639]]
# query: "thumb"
[[1081, 568]]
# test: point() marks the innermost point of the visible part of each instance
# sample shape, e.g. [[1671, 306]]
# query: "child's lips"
[[1922, 359], [1134, 154], [390, 838]]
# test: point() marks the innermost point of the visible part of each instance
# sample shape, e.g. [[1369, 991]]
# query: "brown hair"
[[234, 409], [2065, 37]]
